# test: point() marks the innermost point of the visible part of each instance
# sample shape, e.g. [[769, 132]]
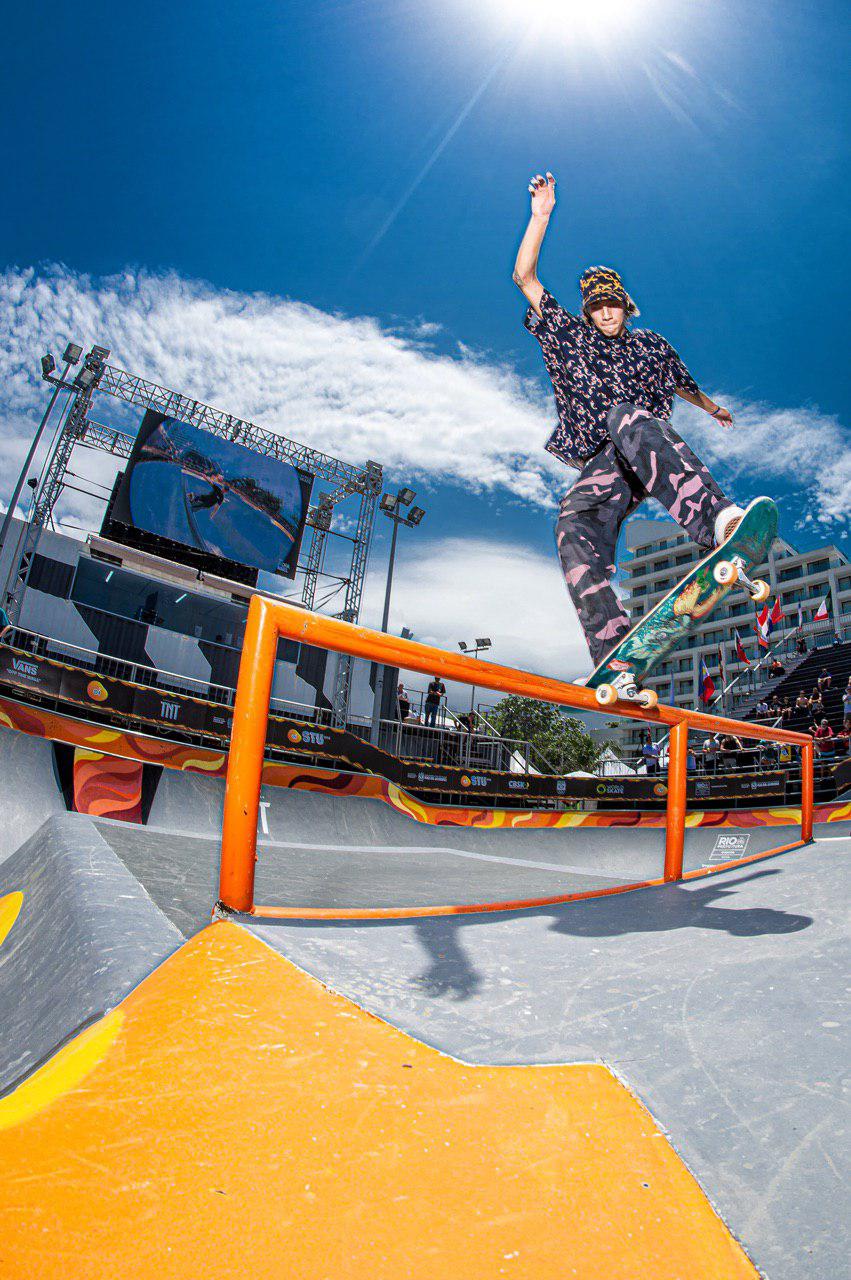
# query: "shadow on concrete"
[[679, 906], [663, 909]]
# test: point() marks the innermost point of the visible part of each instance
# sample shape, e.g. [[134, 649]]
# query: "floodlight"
[[415, 515], [72, 353], [388, 502], [33, 483], [85, 378], [48, 364], [407, 633], [406, 497], [484, 644], [99, 354], [461, 645]]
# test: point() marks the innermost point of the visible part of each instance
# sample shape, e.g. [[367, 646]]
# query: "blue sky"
[[370, 159]]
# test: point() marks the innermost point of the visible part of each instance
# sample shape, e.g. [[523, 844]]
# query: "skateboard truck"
[[625, 687], [728, 572]]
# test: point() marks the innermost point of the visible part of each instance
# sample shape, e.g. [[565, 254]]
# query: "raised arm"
[[525, 276]]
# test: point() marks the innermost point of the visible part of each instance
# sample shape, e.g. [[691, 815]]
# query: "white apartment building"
[[659, 554]]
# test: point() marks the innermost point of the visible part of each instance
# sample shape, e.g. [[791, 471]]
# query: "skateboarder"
[[614, 389]]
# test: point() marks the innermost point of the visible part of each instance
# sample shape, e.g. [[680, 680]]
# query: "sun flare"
[[571, 19]]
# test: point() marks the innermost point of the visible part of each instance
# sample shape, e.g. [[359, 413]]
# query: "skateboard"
[[692, 599]]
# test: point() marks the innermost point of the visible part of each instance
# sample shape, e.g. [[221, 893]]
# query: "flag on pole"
[[775, 617], [761, 627], [800, 616], [740, 649], [821, 612], [705, 683]]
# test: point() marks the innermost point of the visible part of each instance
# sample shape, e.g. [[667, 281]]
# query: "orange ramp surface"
[[235, 1118]]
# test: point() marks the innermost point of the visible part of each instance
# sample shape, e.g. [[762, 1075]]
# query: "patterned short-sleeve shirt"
[[591, 372]]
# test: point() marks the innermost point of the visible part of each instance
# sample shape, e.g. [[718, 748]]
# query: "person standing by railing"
[[435, 693], [650, 753]]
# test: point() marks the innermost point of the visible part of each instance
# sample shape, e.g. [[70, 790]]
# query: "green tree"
[[561, 740]]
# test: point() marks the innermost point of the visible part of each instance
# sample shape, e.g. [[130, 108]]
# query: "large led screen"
[[218, 500]]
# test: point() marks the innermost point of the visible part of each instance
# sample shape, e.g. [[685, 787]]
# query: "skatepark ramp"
[[268, 620]]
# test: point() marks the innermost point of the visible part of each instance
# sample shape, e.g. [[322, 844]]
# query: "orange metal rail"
[[269, 619]]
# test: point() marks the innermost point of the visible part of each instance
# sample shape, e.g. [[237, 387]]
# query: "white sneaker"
[[726, 523]]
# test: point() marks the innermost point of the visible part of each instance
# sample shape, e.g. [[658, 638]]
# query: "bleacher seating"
[[836, 661]]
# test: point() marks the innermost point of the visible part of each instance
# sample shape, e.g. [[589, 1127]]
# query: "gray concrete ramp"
[[29, 788], [87, 932]]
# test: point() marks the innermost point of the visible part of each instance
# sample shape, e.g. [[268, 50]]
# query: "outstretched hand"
[[724, 416], [543, 191]]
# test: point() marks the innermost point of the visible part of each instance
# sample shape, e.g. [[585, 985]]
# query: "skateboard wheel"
[[648, 698], [606, 695], [760, 592], [725, 573]]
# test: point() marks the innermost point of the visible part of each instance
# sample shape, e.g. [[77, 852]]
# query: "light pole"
[[73, 351], [479, 647], [392, 504]]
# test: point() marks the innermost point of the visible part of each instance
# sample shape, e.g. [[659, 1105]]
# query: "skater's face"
[[608, 317]]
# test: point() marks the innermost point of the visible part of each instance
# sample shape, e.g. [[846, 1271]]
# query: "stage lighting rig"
[[92, 370], [481, 644]]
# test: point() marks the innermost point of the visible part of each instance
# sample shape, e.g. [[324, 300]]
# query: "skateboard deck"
[[690, 601]]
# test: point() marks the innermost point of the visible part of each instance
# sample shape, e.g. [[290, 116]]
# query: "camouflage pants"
[[643, 457]]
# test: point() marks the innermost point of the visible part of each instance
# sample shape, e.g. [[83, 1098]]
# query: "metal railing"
[[268, 620]]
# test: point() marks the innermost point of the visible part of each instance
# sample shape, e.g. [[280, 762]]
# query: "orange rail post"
[[245, 762], [807, 790], [675, 820]]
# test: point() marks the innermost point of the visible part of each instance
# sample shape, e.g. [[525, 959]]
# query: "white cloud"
[[457, 589], [768, 449], [352, 388], [342, 385]]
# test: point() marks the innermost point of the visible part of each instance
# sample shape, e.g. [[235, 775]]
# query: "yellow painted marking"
[[10, 909], [105, 735], [62, 1073]]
